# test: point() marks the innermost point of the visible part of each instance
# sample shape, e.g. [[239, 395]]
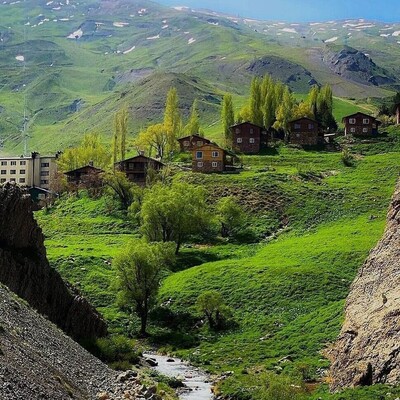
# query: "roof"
[[137, 157], [83, 169], [193, 136], [358, 113], [301, 118], [246, 123], [209, 144]]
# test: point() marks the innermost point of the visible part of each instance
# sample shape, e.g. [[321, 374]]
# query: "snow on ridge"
[[76, 35], [180, 8], [153, 37], [20, 58], [164, 27], [333, 39], [120, 24], [396, 33], [191, 40], [129, 50], [289, 30], [384, 34]]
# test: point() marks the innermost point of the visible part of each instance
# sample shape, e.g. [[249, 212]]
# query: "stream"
[[196, 380]]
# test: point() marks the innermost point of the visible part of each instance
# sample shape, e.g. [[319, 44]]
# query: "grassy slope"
[[289, 291]]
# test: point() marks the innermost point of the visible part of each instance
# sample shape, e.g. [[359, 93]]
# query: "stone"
[[103, 396], [367, 350]]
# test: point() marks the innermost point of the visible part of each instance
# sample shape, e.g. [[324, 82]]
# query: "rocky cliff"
[[25, 270], [368, 348], [38, 361]]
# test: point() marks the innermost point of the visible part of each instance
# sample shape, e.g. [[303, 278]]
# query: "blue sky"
[[300, 10]]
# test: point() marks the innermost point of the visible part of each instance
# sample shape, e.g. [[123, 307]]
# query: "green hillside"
[[313, 222]]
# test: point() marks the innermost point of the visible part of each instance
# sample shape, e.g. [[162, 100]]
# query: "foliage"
[[228, 118], [193, 125], [347, 158], [231, 216], [256, 114], [212, 306], [139, 271], [119, 137], [154, 137], [284, 111], [120, 185], [90, 150], [173, 213], [172, 119]]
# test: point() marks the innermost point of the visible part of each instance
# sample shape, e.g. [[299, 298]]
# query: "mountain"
[[62, 61]]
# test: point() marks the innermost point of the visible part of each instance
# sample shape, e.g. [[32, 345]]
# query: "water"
[[192, 377]]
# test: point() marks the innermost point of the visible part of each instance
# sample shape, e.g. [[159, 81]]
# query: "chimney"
[[91, 163]]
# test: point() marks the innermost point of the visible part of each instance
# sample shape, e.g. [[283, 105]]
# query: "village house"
[[136, 168], [360, 124], [210, 158], [33, 171], [304, 132], [188, 143], [248, 138], [86, 175]]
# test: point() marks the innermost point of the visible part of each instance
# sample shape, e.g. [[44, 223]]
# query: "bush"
[[347, 158]]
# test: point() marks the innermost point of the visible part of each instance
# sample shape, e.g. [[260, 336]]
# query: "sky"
[[300, 10]]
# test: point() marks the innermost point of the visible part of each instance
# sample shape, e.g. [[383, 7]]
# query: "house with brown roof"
[[209, 158], [136, 168], [83, 175], [360, 124], [304, 132], [188, 143], [248, 138]]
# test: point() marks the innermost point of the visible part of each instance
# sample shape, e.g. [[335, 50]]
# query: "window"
[[2, 180], [3, 172], [4, 163], [239, 140], [214, 164], [41, 196], [131, 165], [251, 140], [21, 180], [22, 171], [45, 173], [251, 131], [44, 182], [297, 126], [22, 163], [13, 163], [199, 154], [45, 164], [310, 126], [237, 130], [199, 143], [366, 121], [186, 143], [215, 154], [352, 121], [13, 171], [200, 164], [352, 130], [365, 130]]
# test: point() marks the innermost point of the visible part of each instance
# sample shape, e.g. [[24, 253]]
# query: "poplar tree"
[[193, 126], [119, 137], [228, 118], [256, 116], [284, 111], [172, 118], [269, 110]]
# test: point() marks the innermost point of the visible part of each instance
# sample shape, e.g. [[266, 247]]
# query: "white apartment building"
[[33, 171]]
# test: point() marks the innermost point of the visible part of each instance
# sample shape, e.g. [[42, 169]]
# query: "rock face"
[[354, 65], [25, 270], [368, 348], [38, 361]]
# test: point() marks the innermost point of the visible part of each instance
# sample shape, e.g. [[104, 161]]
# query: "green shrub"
[[347, 158]]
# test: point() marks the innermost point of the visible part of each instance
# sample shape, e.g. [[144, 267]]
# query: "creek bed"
[[197, 381]]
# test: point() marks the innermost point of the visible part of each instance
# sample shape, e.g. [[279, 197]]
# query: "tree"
[[139, 271], [256, 115], [193, 126], [269, 110], [284, 111], [90, 150], [230, 215], [312, 99], [303, 109], [173, 213], [172, 118], [122, 187], [119, 137], [212, 306], [154, 137], [228, 118]]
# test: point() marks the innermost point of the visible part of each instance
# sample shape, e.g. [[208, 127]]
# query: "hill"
[[61, 60]]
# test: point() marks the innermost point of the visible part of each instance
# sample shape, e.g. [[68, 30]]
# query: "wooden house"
[[209, 158], [360, 124], [248, 138], [136, 168], [83, 175], [188, 143], [304, 132]]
